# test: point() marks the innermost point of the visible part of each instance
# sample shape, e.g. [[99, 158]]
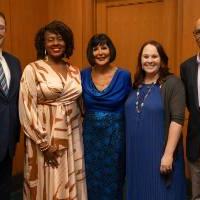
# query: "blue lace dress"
[[145, 140], [103, 135]]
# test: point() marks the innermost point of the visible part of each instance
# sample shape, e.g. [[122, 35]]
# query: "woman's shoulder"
[[85, 70], [172, 79], [30, 70], [172, 82], [31, 66], [124, 72], [73, 69], [35, 64]]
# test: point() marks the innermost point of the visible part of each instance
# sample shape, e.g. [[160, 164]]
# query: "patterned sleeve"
[[28, 108]]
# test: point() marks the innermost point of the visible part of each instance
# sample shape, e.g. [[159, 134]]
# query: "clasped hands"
[[50, 156]]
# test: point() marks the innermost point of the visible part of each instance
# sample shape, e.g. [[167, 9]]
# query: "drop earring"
[[64, 57], [45, 55]]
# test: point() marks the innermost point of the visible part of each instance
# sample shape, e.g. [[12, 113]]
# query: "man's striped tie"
[[3, 80]]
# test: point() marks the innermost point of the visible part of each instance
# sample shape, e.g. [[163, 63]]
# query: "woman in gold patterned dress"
[[50, 118]]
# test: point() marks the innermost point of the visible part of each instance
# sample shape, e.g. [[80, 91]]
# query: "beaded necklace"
[[139, 104]]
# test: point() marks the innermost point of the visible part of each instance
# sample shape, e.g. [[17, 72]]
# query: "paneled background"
[[128, 22]]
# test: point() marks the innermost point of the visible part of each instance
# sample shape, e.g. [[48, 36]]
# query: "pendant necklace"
[[139, 104]]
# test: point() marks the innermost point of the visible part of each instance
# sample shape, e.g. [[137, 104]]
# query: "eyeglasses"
[[196, 32]]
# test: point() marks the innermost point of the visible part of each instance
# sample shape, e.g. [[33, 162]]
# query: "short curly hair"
[[56, 27], [100, 39]]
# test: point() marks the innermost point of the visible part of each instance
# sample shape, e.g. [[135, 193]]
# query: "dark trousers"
[[5, 177], [195, 178]]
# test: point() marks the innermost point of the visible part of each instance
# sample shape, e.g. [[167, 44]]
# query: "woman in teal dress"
[[105, 88], [154, 114]]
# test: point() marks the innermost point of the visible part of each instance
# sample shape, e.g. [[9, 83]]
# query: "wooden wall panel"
[[5, 8], [132, 22], [129, 25], [70, 12], [80, 16], [89, 26], [24, 18], [190, 15]]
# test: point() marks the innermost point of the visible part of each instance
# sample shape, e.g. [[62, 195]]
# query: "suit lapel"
[[12, 75], [2, 93], [194, 68]]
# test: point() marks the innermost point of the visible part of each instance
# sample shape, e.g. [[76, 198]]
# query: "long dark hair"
[[163, 70]]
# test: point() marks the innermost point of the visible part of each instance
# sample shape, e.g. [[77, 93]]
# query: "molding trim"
[[130, 2]]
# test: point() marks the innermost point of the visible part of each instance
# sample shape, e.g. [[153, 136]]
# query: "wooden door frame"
[[88, 23], [90, 26]]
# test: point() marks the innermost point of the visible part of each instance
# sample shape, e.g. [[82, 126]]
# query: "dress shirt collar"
[[198, 58], [198, 77]]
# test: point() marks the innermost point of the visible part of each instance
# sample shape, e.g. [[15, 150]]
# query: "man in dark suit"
[[10, 73], [190, 74]]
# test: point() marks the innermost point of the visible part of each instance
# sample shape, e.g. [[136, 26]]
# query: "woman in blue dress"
[[105, 89], [154, 113]]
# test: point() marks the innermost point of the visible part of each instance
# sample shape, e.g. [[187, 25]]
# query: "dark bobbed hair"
[[163, 70], [100, 39], [56, 27], [3, 16]]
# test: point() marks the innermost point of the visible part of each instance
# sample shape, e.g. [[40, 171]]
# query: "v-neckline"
[[57, 73], [108, 86]]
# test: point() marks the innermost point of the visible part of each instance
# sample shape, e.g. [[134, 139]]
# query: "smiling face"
[[2, 31], [150, 60], [101, 55], [54, 45], [196, 32]]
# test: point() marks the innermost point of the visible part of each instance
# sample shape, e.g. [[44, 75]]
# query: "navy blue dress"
[[145, 146], [104, 135]]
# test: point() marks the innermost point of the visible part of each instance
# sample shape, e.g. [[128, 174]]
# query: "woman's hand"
[[166, 164], [50, 157], [172, 141]]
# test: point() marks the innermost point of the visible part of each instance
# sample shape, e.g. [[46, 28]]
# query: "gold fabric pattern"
[[49, 115]]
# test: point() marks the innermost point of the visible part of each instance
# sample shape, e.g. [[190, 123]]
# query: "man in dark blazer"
[[190, 74], [10, 73]]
